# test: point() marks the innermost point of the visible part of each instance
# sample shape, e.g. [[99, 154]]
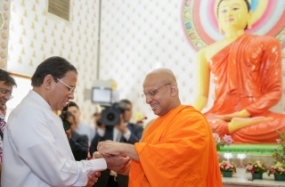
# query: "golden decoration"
[[33, 25], [5, 26], [22, 21], [23, 3], [35, 36], [34, 54], [23, 51], [13, 8], [34, 8], [21, 41], [42, 47], [2, 65], [3, 54], [43, 29], [32, 44], [31, 63], [25, 13], [24, 32], [20, 60]]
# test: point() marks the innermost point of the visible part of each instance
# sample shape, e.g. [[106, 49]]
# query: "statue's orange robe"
[[247, 75], [177, 149]]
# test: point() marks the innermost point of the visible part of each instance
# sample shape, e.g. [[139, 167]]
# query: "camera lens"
[[111, 116]]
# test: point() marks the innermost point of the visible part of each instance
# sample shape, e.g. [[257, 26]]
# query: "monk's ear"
[[48, 81], [173, 90]]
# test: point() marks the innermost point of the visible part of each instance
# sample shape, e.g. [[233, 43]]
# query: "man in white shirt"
[[36, 150]]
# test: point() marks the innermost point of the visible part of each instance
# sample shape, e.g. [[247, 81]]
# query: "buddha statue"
[[247, 76]]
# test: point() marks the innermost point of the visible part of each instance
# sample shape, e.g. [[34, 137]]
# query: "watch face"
[[201, 28]]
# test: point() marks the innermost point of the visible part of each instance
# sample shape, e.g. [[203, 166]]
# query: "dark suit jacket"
[[136, 133], [79, 146]]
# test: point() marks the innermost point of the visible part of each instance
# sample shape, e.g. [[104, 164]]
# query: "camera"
[[111, 115]]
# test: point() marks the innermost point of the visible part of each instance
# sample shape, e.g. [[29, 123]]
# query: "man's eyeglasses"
[[70, 89], [153, 92], [6, 93]]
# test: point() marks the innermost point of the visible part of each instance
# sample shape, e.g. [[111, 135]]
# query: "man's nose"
[[148, 99]]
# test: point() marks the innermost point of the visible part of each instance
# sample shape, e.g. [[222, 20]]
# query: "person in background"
[[7, 83], [126, 132], [36, 151], [177, 149], [78, 143], [96, 119], [81, 128]]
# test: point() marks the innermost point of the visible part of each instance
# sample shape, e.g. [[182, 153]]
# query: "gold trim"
[[19, 75]]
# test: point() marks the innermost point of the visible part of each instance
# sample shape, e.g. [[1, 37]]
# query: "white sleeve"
[[41, 144], [55, 169]]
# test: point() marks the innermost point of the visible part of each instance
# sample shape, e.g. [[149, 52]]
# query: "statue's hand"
[[229, 117]]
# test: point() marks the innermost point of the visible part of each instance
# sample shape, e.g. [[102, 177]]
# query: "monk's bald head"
[[162, 75]]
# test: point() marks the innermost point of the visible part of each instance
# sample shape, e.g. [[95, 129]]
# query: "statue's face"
[[233, 15]]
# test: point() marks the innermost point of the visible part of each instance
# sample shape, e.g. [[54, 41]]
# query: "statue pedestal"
[[243, 179], [244, 153]]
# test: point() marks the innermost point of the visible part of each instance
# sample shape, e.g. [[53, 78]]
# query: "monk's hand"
[[109, 148], [93, 178], [117, 162], [96, 155]]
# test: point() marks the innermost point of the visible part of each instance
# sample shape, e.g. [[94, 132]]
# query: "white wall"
[[36, 35]]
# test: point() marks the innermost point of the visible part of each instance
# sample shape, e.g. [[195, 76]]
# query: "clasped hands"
[[110, 151]]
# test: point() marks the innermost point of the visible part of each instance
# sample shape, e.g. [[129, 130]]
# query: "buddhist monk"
[[247, 77], [177, 149]]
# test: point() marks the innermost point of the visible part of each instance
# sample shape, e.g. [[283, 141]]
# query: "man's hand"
[[109, 148], [92, 178], [116, 163], [97, 155]]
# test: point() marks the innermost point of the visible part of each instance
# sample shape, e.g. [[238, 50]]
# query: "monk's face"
[[157, 94], [233, 15]]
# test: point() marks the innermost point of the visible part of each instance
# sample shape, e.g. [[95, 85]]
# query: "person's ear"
[[48, 80], [173, 90]]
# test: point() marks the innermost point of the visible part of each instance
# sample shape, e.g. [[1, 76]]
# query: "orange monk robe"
[[176, 150], [247, 75]]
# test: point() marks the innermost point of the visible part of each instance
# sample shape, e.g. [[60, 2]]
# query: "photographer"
[[78, 143], [126, 132]]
